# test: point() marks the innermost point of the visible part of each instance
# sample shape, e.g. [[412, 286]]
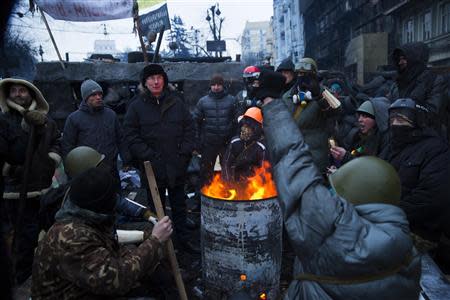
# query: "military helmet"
[[366, 108], [306, 64], [367, 179], [80, 159]]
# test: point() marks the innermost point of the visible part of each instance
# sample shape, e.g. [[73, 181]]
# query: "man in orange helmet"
[[245, 151]]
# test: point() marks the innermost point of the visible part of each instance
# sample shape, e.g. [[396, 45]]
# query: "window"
[[445, 17], [426, 25], [408, 31]]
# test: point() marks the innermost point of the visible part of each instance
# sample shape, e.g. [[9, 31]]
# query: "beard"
[[25, 102]]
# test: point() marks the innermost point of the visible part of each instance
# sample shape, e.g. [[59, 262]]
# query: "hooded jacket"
[[214, 116], [377, 140], [161, 131], [16, 131], [417, 82], [80, 258], [98, 129], [329, 235]]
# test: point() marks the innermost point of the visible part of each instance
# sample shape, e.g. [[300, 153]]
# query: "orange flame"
[[256, 187]]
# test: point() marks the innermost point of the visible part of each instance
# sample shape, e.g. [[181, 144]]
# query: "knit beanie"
[[89, 87], [153, 69], [286, 65], [94, 190], [271, 84], [216, 79]]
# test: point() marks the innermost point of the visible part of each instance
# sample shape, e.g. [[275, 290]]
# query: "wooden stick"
[[51, 37], [141, 41], [158, 45], [160, 213]]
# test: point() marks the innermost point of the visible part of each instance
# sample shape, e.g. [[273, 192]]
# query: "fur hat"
[[216, 79], [271, 84], [94, 190], [153, 69], [89, 87], [5, 84]]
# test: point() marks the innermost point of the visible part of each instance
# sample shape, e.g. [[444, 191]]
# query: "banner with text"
[[155, 21], [87, 11]]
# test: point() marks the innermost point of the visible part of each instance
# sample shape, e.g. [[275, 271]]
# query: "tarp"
[[87, 11]]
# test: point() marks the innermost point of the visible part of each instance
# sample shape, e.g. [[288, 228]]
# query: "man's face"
[[365, 123], [20, 94], [399, 121], [216, 88], [289, 75], [95, 100], [402, 63], [155, 84]]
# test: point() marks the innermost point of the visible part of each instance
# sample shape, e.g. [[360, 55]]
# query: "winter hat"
[[153, 69], [94, 190], [271, 84], [216, 79], [89, 87]]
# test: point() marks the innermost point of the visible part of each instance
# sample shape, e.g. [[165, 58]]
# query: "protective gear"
[[409, 110], [251, 73], [253, 103], [80, 159], [302, 97], [35, 117], [367, 179], [286, 65], [255, 114], [306, 64], [366, 108]]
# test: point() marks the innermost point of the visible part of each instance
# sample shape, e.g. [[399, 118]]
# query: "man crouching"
[[80, 258]]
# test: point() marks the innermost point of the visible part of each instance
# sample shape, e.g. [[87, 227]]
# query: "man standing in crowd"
[[348, 243], [371, 136], [80, 258], [215, 116], [246, 98], [159, 128], [33, 141], [422, 160], [95, 126], [311, 111], [417, 82], [287, 69]]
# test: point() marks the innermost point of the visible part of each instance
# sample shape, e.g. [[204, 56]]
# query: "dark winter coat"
[[424, 169], [45, 155], [99, 130], [330, 236], [417, 82], [80, 258], [314, 123], [162, 132], [215, 117]]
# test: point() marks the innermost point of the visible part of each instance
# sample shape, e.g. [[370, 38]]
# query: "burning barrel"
[[241, 237]]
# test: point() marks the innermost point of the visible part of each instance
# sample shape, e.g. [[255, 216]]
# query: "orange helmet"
[[255, 114]]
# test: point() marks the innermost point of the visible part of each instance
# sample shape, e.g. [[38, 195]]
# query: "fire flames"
[[256, 187]]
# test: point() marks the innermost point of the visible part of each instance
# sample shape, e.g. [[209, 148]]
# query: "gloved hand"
[[35, 117]]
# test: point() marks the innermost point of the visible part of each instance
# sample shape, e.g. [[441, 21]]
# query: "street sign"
[[214, 46], [155, 21]]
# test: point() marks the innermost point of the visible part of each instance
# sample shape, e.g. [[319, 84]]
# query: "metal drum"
[[241, 247]]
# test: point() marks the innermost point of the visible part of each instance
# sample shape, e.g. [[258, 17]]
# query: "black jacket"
[[417, 82], [99, 130], [423, 167], [215, 117], [161, 131]]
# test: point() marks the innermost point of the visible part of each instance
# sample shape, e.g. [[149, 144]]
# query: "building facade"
[[357, 36], [287, 31], [257, 42]]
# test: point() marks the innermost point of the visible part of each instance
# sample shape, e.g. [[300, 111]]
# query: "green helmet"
[[306, 64], [367, 179], [81, 159], [366, 108]]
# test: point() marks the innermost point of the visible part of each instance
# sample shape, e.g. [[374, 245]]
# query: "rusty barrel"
[[241, 246]]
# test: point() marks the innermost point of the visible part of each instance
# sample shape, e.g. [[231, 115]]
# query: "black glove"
[[270, 85], [35, 117]]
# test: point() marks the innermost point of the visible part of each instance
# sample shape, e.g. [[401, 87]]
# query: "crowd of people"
[[362, 178]]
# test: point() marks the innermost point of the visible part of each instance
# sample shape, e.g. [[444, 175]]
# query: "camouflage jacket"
[[80, 258]]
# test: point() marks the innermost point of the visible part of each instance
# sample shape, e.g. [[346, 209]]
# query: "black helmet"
[[408, 110]]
